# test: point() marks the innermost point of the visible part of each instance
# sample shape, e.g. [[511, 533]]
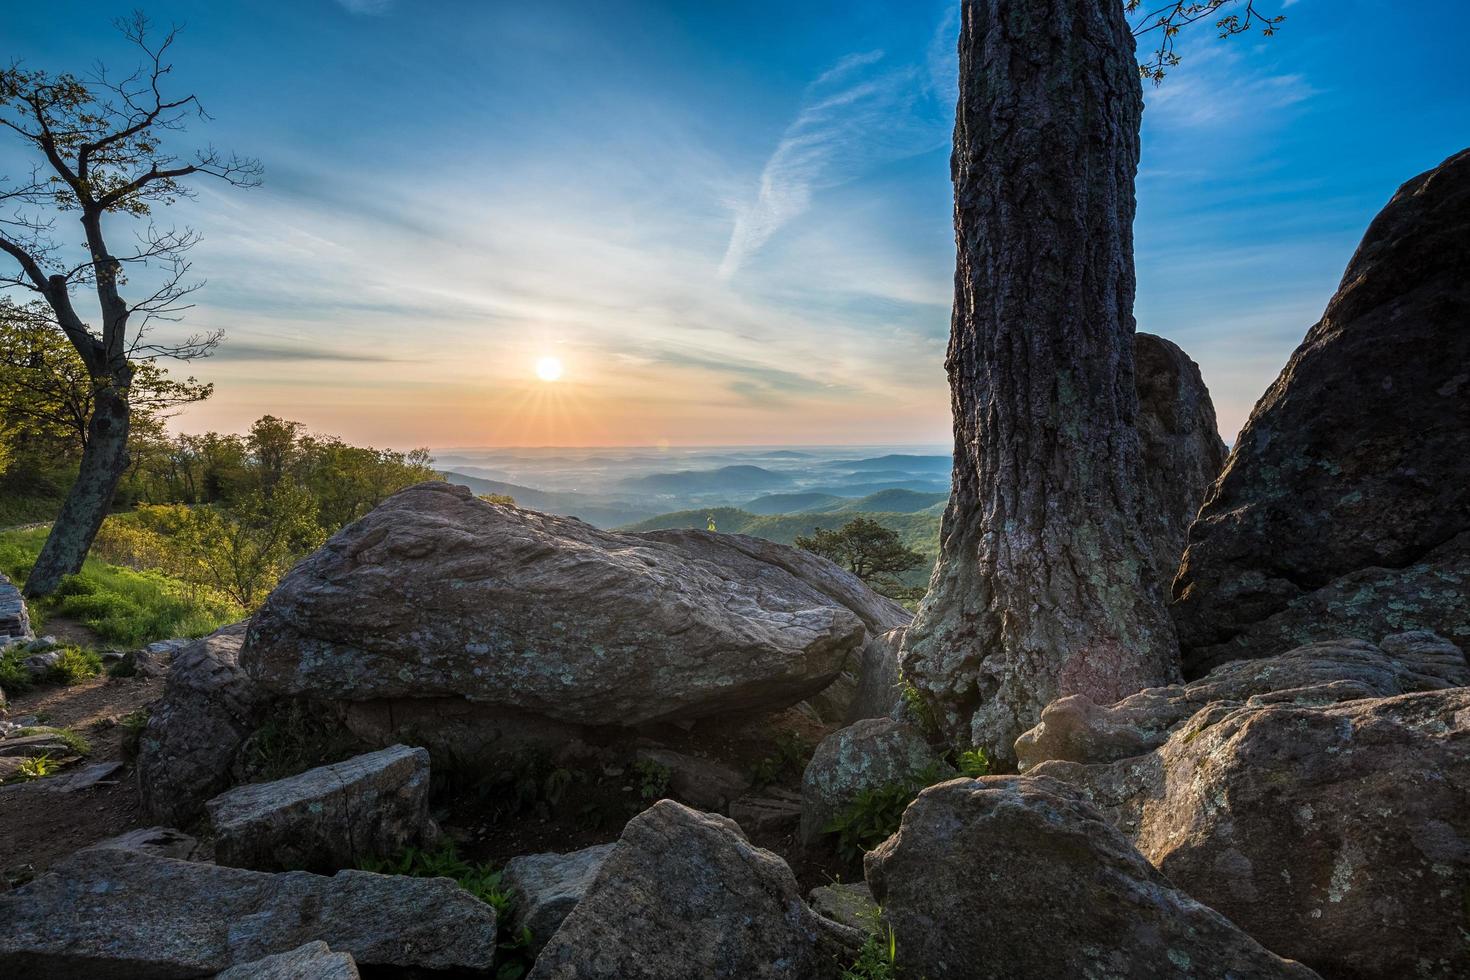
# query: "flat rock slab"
[[437, 593], [548, 886], [683, 895], [314, 961], [334, 816], [113, 914], [1014, 876], [1073, 729]]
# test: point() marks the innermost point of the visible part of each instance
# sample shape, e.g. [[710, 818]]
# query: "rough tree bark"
[[1044, 585]]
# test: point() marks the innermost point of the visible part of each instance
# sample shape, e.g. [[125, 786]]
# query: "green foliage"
[[74, 665], [121, 605], [653, 779], [36, 767], [481, 881], [877, 960], [787, 761], [921, 711], [132, 725], [864, 547], [875, 813], [973, 763], [15, 677], [503, 499], [292, 739]]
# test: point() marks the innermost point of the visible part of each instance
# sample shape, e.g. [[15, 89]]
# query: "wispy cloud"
[[858, 114]]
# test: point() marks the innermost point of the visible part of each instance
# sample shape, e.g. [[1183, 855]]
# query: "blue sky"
[[730, 221]]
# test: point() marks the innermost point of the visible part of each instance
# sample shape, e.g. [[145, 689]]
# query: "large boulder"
[[437, 594], [187, 753], [331, 817], [1011, 876], [1073, 729], [547, 887], [683, 894], [870, 754], [1338, 835], [1182, 449], [114, 914], [1344, 508]]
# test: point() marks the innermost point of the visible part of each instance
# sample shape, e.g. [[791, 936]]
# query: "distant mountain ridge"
[[725, 479]]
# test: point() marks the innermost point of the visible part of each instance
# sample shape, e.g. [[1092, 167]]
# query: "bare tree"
[[1163, 23], [102, 147]]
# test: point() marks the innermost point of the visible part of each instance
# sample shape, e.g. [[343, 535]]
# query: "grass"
[[73, 665], [121, 605], [36, 767], [75, 742]]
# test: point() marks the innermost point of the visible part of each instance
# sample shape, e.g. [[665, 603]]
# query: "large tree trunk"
[[104, 460], [1044, 585]]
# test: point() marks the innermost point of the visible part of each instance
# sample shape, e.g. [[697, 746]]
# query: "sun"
[[548, 368]]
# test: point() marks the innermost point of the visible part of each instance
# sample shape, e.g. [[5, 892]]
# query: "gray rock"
[[850, 904], [110, 914], [1076, 730], [48, 742], [15, 622], [1182, 449], [1013, 876], [774, 811], [879, 682], [1336, 834], [187, 752], [154, 659], [702, 783], [548, 886], [314, 961], [1344, 509], [682, 895], [162, 842], [83, 778], [872, 753], [334, 816], [438, 594], [40, 664]]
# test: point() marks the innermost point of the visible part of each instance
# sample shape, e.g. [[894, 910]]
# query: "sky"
[[730, 222]]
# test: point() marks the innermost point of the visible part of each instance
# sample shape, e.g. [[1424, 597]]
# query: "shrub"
[[875, 813], [653, 779], [973, 763], [877, 960], [133, 724], [15, 676], [788, 761], [36, 767], [75, 665]]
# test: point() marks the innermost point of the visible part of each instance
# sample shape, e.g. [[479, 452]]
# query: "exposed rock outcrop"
[[1338, 835], [115, 914], [1344, 508], [548, 886], [438, 594], [868, 755], [314, 961], [1010, 876], [334, 816], [187, 752], [702, 783], [1182, 449], [1074, 729], [683, 894]]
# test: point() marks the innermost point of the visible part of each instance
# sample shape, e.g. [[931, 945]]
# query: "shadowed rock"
[[1338, 835], [334, 816], [1344, 508], [867, 755], [1182, 449], [1076, 730], [438, 594], [1010, 876], [682, 895], [110, 914], [187, 752], [548, 886]]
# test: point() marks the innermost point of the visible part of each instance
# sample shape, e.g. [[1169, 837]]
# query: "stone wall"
[[13, 619]]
